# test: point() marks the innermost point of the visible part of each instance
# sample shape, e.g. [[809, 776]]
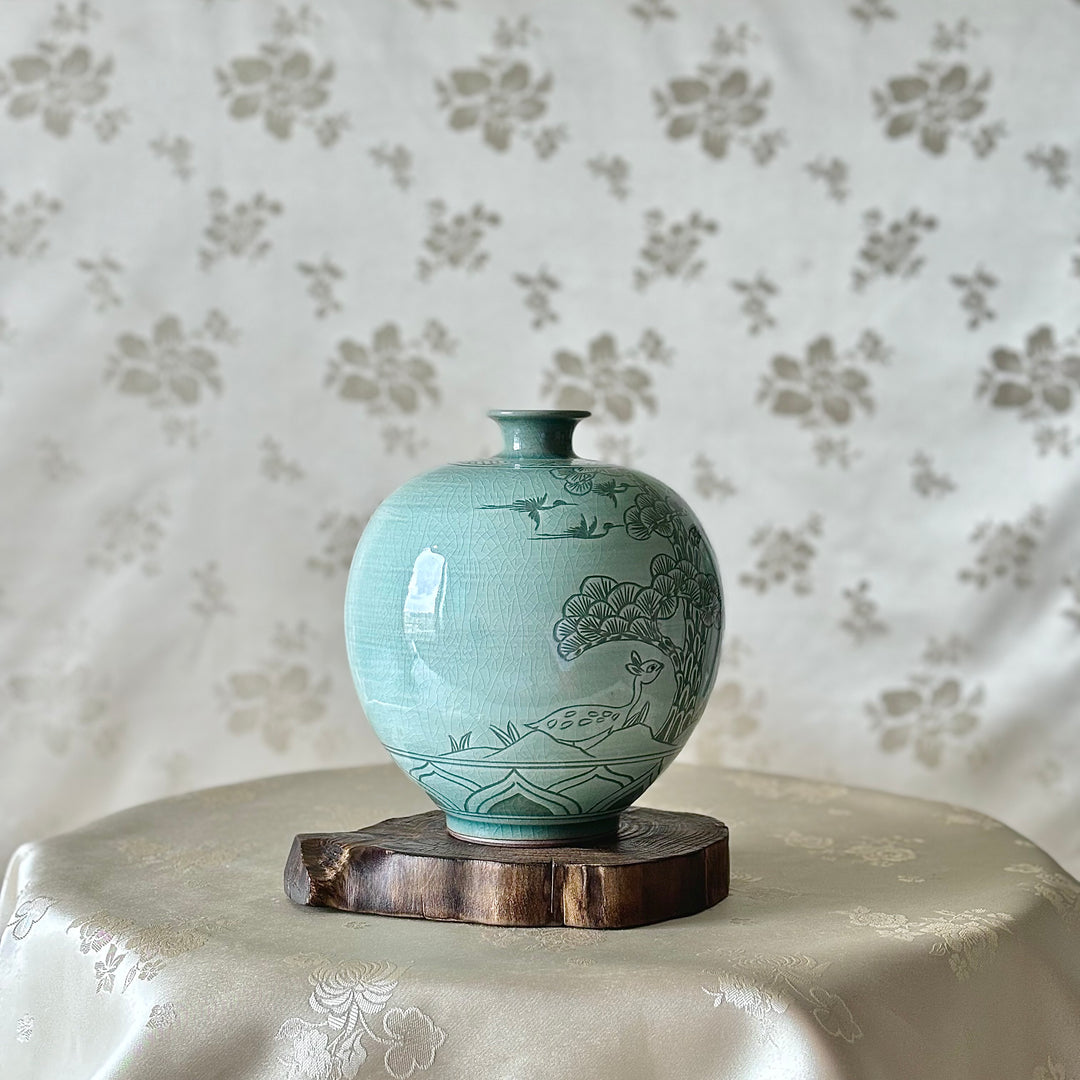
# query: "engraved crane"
[[584, 723], [582, 530], [532, 508]]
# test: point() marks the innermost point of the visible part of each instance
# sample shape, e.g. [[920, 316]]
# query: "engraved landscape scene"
[[585, 758]]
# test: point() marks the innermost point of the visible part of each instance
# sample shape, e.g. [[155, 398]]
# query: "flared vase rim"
[[538, 414]]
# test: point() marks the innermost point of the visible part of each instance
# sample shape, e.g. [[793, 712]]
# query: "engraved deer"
[[585, 723]]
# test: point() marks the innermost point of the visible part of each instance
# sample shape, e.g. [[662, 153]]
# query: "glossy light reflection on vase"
[[533, 636]]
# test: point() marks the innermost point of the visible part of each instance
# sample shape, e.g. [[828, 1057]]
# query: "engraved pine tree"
[[683, 582]]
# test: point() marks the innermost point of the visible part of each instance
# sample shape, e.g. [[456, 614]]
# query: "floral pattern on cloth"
[[934, 712], [24, 224], [880, 851], [1038, 382], [394, 376], [764, 986], [281, 696], [968, 938], [942, 99], [722, 104], [353, 999], [162, 1016], [285, 83], [826, 390], [127, 951], [606, 378], [63, 82], [174, 369], [817, 862], [1060, 891], [27, 914], [502, 96], [1051, 1070], [24, 1028]]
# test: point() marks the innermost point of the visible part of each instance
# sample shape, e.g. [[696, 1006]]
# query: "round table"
[[866, 935]]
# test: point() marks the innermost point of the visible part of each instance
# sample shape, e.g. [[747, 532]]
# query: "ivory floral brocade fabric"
[[864, 934], [816, 266]]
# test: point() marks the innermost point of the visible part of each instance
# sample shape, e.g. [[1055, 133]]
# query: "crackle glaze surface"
[[533, 636]]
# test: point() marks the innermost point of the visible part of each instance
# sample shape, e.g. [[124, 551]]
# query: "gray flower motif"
[[1007, 550], [671, 249], [785, 555], [1054, 161], [756, 295], [891, 249], [1039, 381], [602, 378], [275, 701], [285, 86], [928, 481], [716, 104], [938, 103], [822, 389], [539, 289], [974, 289], [868, 11], [237, 230], [387, 375], [925, 714], [167, 368], [615, 170], [59, 85], [720, 106], [321, 278], [455, 241], [502, 96], [23, 223]]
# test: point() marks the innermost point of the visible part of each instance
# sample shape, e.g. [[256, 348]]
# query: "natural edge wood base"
[[661, 865]]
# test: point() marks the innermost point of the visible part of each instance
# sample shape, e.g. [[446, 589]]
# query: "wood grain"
[[661, 865]]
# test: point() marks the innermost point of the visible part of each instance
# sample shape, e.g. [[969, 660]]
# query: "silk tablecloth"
[[866, 935]]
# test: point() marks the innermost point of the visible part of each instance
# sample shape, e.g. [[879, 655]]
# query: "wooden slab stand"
[[662, 865]]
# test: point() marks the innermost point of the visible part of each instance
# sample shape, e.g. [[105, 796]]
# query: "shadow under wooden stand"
[[661, 865]]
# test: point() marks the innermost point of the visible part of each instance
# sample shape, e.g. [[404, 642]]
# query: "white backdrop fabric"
[[816, 266]]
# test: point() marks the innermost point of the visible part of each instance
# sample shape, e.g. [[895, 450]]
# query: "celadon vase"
[[533, 636]]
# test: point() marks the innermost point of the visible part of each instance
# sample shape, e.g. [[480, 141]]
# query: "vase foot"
[[481, 829]]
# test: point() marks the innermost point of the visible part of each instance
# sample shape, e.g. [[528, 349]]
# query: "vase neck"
[[537, 433]]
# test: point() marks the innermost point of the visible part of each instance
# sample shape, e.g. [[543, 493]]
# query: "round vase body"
[[533, 636]]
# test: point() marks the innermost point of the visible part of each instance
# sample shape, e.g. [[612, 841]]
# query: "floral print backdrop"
[[816, 266]]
